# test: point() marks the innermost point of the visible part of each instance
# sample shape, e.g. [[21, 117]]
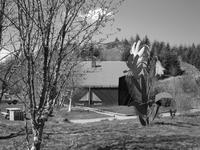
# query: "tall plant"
[[140, 80]]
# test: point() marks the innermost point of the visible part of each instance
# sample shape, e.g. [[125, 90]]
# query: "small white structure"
[[15, 114]]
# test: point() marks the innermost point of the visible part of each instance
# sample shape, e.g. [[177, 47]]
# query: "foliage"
[[171, 64], [89, 52], [140, 80], [166, 54], [126, 49]]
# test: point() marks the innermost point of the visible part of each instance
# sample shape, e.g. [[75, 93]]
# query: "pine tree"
[[126, 50], [137, 37], [146, 40], [172, 64], [132, 40]]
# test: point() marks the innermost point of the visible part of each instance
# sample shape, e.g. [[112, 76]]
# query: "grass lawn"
[[63, 114], [125, 109], [119, 109], [183, 132]]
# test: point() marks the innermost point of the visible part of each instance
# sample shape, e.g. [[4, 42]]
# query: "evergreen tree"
[[146, 40], [137, 38], [172, 64], [126, 50], [132, 40], [165, 52]]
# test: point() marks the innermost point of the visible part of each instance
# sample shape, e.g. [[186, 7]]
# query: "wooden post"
[[90, 97]]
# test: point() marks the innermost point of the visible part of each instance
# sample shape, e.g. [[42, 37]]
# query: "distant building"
[[99, 82]]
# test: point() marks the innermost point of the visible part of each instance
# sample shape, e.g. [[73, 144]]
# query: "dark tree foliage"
[[126, 49], [172, 64], [89, 52], [167, 54], [146, 41], [137, 37]]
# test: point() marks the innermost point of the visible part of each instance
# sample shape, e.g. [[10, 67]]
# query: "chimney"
[[93, 58], [93, 62]]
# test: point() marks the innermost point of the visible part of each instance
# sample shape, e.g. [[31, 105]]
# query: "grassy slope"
[[184, 89]]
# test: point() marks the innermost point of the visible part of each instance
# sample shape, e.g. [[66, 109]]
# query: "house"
[[99, 82]]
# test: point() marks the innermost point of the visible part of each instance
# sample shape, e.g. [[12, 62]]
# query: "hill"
[[185, 88]]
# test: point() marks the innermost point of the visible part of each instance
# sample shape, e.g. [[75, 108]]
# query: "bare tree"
[[50, 32], [8, 70], [2, 8], [9, 66], [5, 9]]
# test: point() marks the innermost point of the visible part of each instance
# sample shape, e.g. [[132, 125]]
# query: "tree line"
[[166, 52], [168, 55]]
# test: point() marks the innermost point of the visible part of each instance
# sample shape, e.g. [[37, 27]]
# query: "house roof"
[[105, 74]]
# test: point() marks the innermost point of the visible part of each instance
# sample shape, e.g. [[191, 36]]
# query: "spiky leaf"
[[139, 81]]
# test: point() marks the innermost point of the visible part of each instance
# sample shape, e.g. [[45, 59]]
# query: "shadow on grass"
[[12, 135], [15, 134], [156, 143], [193, 115], [178, 124]]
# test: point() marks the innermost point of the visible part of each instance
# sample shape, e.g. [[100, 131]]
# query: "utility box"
[[15, 114]]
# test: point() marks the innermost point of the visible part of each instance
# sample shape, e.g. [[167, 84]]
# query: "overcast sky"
[[173, 21]]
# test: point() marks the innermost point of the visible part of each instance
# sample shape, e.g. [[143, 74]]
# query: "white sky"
[[173, 21]]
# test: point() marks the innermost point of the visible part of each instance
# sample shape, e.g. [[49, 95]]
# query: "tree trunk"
[[70, 106], [70, 101], [37, 135], [144, 120]]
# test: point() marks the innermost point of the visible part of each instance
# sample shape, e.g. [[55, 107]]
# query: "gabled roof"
[[105, 74]]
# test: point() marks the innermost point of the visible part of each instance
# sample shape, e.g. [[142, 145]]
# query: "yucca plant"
[[140, 80]]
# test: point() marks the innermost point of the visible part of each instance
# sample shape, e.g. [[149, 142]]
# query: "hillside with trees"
[[168, 55]]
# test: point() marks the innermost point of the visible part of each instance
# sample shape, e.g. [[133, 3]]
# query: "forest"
[[169, 56], [188, 53]]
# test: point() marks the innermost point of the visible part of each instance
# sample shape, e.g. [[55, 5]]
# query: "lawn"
[[63, 114], [119, 109], [127, 110], [183, 132]]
